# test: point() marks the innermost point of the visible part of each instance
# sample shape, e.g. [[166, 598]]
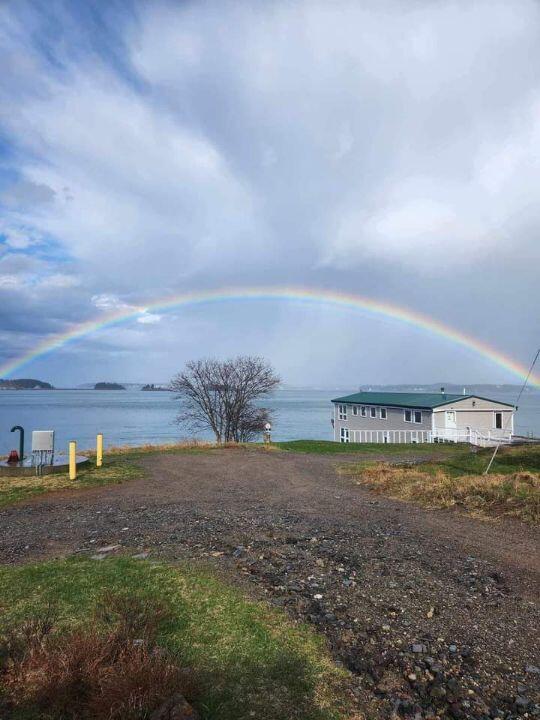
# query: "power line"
[[490, 463]]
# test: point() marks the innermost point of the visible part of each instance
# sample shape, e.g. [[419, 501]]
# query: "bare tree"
[[221, 396]]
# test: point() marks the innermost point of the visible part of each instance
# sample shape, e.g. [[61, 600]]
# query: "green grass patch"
[[253, 662], [116, 469], [120, 464], [329, 447]]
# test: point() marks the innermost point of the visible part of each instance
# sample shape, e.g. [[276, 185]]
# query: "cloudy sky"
[[389, 149]]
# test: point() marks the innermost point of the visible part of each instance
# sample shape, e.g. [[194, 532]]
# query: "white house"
[[392, 417]]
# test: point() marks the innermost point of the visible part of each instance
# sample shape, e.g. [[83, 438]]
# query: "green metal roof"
[[426, 401]]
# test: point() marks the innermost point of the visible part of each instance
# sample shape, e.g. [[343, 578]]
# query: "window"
[[407, 415], [344, 435], [372, 412], [498, 420], [342, 412], [382, 413], [363, 411], [417, 416], [451, 416], [355, 409]]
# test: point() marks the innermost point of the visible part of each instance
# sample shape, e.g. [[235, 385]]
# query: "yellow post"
[[99, 450], [72, 460]]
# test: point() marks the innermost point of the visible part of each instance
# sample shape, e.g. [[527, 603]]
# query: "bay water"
[[136, 417]]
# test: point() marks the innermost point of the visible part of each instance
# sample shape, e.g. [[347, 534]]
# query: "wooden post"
[[99, 450], [72, 460]]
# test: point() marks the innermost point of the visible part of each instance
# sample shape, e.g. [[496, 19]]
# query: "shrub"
[[91, 674]]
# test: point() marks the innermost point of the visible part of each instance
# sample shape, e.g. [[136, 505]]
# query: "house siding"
[[474, 422], [394, 422], [479, 416]]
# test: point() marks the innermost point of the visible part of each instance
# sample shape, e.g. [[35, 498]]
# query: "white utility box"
[[43, 441]]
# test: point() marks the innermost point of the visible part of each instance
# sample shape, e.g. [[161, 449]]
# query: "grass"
[[247, 659], [120, 465], [117, 469], [511, 489], [329, 447]]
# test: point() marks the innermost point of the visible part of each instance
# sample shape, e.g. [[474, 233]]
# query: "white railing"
[[486, 438], [390, 436]]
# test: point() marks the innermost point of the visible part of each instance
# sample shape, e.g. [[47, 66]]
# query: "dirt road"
[[436, 614]]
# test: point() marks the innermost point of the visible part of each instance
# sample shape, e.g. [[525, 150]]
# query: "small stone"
[[386, 628], [418, 648], [452, 648], [141, 556], [108, 548], [411, 677], [318, 596], [98, 557], [431, 612], [521, 701], [532, 669]]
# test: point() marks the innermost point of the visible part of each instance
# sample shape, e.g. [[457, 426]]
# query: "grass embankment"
[[67, 646], [512, 487]]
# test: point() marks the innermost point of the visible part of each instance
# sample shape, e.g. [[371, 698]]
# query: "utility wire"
[[490, 463]]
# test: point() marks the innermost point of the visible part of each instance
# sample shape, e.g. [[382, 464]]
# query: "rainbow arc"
[[284, 294]]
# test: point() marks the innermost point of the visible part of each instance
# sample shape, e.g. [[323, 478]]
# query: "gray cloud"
[[387, 149]]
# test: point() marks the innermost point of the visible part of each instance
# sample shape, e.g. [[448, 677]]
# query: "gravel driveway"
[[436, 614]]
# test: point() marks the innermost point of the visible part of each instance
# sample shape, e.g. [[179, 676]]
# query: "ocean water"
[[133, 417]]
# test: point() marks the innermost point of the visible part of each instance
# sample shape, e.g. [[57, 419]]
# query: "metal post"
[[72, 460], [21, 440], [99, 450]]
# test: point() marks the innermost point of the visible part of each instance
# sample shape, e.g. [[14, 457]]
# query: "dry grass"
[[516, 494], [89, 674], [181, 446]]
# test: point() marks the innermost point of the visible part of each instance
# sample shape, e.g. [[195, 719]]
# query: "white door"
[[450, 423], [344, 435]]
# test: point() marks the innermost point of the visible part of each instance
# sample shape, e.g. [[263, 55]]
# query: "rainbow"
[[287, 294]]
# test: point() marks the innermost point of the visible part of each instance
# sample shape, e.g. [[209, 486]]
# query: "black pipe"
[[21, 440]]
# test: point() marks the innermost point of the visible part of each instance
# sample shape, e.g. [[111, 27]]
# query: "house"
[[397, 417]]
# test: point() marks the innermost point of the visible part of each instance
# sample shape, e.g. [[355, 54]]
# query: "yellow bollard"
[[99, 450], [72, 460]]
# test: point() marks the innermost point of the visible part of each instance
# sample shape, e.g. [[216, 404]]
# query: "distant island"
[[154, 388], [25, 384], [108, 386]]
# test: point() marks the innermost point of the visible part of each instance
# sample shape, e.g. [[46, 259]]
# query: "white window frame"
[[363, 411], [342, 412], [344, 435], [405, 411], [372, 413], [417, 422], [355, 409], [383, 414], [495, 413]]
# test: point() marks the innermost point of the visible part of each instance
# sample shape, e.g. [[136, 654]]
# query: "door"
[[450, 424], [344, 435]]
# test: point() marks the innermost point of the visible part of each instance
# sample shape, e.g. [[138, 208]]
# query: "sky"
[[383, 148]]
